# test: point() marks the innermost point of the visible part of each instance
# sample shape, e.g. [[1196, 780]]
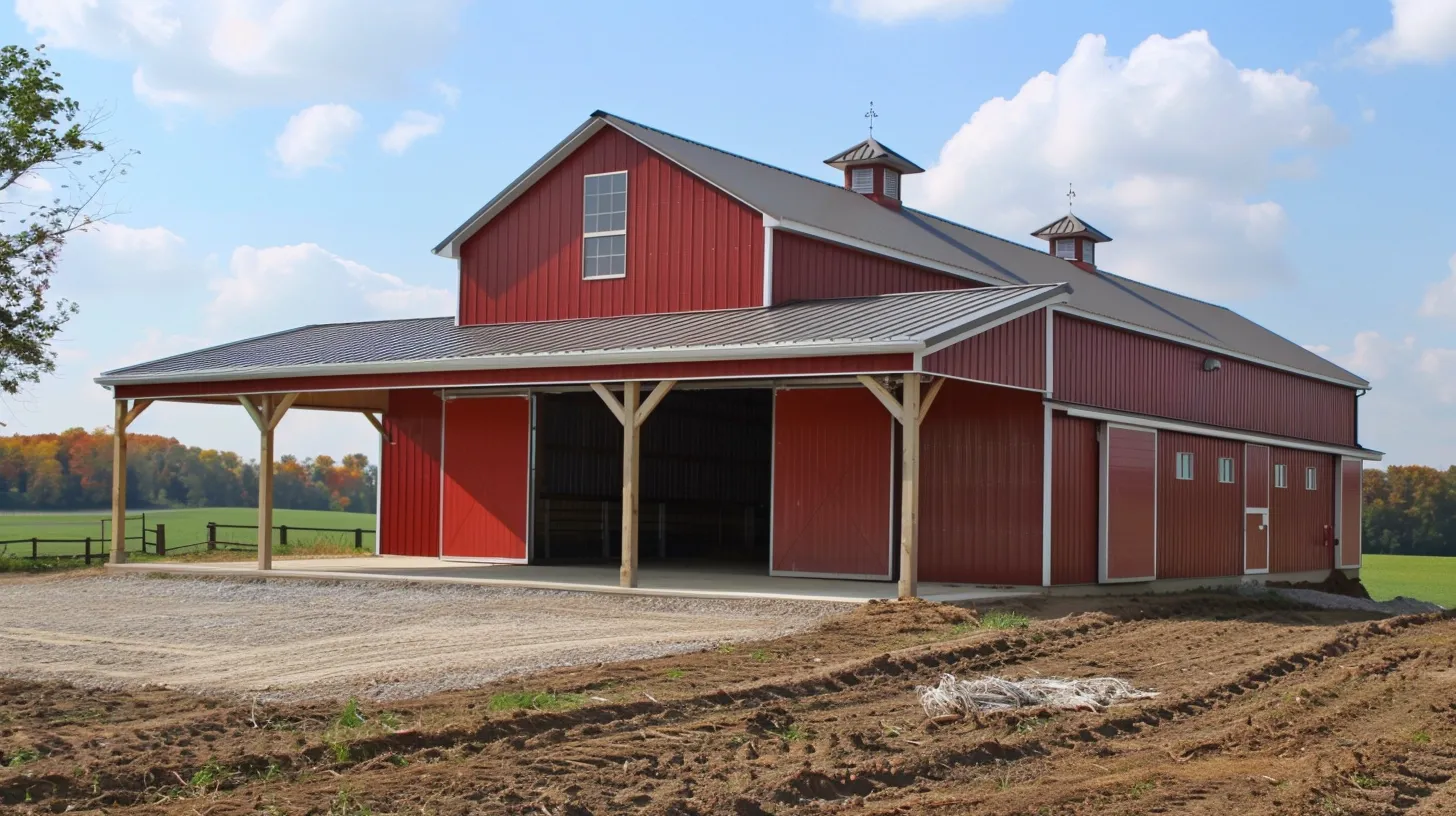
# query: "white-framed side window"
[[1281, 476], [862, 180], [892, 184], [1226, 469], [604, 226], [1067, 248], [1089, 251], [1311, 479], [1184, 466]]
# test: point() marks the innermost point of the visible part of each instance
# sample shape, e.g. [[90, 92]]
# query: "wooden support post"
[[126, 412], [910, 488], [631, 411], [266, 415]]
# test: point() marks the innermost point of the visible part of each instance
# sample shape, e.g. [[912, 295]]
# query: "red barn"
[[666, 351]]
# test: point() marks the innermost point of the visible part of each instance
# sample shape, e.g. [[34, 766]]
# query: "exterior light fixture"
[[1212, 364]]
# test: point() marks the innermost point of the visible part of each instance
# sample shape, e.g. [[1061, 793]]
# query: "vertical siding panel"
[[1301, 522], [1109, 368], [980, 486], [1200, 521], [410, 475], [1013, 353], [808, 269], [1074, 500], [526, 263]]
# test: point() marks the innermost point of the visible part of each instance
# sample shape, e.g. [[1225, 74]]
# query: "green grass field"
[[1426, 577], [183, 527]]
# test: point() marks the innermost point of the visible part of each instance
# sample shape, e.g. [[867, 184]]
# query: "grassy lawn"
[[1427, 577], [188, 526]]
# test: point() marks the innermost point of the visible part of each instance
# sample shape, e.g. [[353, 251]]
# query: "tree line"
[[72, 471], [1410, 510]]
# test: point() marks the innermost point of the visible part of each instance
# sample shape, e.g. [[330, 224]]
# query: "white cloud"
[[1170, 148], [1368, 115], [410, 126], [225, 53], [892, 12], [1440, 299], [447, 92], [1407, 412], [1421, 31], [315, 135]]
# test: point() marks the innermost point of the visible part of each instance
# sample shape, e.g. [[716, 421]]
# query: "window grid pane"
[[1280, 478], [604, 220], [1226, 470], [1185, 466], [1310, 479]]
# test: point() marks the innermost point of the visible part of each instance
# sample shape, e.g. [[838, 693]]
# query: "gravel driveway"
[[302, 639]]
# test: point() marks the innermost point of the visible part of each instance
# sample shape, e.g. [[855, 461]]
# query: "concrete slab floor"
[[683, 580]]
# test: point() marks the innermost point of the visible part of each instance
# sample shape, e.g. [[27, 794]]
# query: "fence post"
[[161, 538], [34, 548], [88, 551], [358, 538], [282, 536], [212, 535]]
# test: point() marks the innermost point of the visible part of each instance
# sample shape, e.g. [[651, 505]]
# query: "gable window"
[[1185, 466], [1281, 478], [862, 180], [1067, 248], [604, 226], [1310, 479], [1226, 469], [1089, 251], [892, 184]]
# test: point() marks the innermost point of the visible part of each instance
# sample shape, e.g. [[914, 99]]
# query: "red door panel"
[[1129, 502], [1349, 516], [487, 459], [831, 483], [1256, 543]]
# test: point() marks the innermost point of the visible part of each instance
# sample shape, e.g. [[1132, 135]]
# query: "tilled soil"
[[1263, 708]]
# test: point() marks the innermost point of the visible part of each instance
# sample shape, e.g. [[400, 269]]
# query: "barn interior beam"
[[909, 410], [126, 412], [631, 411], [266, 414]]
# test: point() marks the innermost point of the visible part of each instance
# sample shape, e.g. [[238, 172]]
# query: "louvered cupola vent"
[[874, 171], [1070, 238]]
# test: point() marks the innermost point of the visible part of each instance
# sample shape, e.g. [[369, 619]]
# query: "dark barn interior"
[[706, 478]]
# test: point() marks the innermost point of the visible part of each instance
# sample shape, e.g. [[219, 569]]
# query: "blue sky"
[[298, 158]]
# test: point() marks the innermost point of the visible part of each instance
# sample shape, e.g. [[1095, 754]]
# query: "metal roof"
[[900, 323], [1070, 225], [870, 151]]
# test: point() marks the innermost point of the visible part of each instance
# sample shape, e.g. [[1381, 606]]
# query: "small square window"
[[1281, 478], [1226, 470], [862, 180], [605, 256], [1311, 479], [1067, 248], [1185, 466]]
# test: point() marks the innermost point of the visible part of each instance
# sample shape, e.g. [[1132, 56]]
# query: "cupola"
[[1073, 239], [874, 171]]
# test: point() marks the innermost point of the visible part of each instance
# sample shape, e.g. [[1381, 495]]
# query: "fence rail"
[[283, 529], [154, 541], [101, 552]]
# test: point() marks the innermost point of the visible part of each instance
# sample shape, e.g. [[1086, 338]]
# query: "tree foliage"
[[46, 194], [1410, 510], [72, 470]]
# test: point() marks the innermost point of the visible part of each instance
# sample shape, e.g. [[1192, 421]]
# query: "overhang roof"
[[870, 151], [1070, 226], [807, 205], [901, 323]]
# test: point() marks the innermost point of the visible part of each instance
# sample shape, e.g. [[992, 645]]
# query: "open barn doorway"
[[706, 479]]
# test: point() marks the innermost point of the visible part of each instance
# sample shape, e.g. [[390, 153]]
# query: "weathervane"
[[872, 116], [1071, 194]]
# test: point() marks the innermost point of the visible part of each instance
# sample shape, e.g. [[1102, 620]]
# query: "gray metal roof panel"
[[901, 318]]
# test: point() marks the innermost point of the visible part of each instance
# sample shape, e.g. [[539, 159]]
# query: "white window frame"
[[1070, 244], [892, 184], [1311, 479], [865, 173], [1226, 468], [606, 233], [1181, 459], [1281, 476]]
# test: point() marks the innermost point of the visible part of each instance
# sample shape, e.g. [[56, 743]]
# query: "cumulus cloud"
[[314, 135], [1420, 31], [410, 126], [1440, 299], [892, 12], [1171, 149], [221, 54]]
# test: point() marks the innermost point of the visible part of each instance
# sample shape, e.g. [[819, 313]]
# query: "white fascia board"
[[1184, 341], [1142, 422], [880, 249], [534, 360]]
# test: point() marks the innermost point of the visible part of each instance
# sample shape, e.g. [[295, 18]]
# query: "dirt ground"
[[1262, 709]]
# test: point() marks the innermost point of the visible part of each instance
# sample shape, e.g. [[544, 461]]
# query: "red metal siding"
[[487, 460], [1200, 520], [712, 369], [1110, 368], [981, 486], [689, 246], [409, 488], [1074, 500], [808, 269], [831, 482], [1350, 483], [1132, 476], [1301, 522], [1013, 353]]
